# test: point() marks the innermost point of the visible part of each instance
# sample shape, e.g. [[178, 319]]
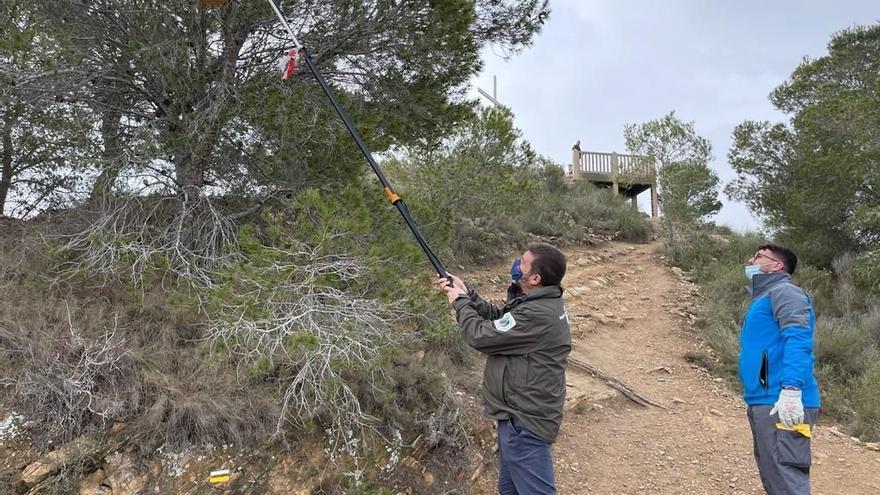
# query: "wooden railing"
[[612, 165], [631, 173]]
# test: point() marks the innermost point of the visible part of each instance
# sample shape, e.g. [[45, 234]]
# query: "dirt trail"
[[632, 316]]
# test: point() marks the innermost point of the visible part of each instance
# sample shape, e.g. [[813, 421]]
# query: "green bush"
[[554, 178], [841, 349], [696, 252], [845, 354], [871, 324], [629, 225], [485, 240], [866, 405], [578, 210], [866, 272], [702, 251], [724, 303], [822, 287]]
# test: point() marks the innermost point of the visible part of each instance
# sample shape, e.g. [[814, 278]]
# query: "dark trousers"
[[526, 462], [783, 456]]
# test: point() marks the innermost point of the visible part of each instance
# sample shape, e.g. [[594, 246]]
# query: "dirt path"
[[631, 317]]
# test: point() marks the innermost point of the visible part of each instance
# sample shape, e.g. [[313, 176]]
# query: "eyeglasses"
[[762, 255]]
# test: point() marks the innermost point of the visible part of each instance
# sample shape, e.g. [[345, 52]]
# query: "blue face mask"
[[515, 271], [752, 270]]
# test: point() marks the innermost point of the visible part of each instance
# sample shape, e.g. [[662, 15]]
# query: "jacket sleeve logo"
[[505, 323]]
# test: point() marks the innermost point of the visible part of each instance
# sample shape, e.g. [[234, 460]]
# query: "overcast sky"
[[600, 64]]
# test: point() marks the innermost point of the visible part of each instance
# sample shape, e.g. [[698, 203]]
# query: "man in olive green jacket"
[[526, 345]]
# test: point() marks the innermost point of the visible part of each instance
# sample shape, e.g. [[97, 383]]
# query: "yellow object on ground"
[[219, 476]]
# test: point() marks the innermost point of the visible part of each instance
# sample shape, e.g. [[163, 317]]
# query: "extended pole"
[[359, 141]]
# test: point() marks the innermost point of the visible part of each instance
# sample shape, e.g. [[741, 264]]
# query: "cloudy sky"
[[600, 64]]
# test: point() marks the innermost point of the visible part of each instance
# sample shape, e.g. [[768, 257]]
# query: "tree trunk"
[[670, 233], [111, 156], [6, 171], [190, 151], [189, 172], [661, 193]]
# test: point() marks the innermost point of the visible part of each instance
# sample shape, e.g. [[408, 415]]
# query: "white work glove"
[[790, 407]]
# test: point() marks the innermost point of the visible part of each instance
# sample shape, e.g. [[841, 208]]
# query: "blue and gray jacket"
[[776, 341]]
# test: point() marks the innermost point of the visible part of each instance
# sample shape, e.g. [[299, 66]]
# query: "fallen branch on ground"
[[614, 383]]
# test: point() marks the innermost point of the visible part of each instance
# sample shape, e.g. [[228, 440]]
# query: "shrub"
[[822, 287], [866, 271], [485, 240], [866, 405], [724, 302], [842, 351], [68, 371], [581, 209], [278, 332]]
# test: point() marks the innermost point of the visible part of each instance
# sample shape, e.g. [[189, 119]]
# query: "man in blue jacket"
[[776, 369]]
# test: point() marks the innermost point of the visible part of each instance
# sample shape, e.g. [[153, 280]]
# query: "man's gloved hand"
[[790, 407]]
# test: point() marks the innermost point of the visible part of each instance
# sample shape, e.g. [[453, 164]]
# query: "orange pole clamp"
[[391, 195]]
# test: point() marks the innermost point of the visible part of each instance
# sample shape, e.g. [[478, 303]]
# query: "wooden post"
[[654, 205], [615, 168], [635, 200], [575, 163], [655, 200]]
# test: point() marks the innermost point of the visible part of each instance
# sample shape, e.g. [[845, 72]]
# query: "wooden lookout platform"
[[625, 174]]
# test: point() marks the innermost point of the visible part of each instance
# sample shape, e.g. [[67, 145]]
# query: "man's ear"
[[537, 279]]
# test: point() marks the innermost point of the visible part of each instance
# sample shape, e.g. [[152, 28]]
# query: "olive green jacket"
[[526, 345]]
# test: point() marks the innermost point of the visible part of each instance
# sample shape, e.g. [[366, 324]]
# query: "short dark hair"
[[549, 263], [788, 258]]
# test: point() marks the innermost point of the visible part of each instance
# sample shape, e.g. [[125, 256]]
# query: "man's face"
[[764, 258], [529, 280]]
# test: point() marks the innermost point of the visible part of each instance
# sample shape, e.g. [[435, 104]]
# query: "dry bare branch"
[[74, 382], [287, 311], [186, 234]]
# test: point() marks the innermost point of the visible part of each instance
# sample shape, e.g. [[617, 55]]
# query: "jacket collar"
[[550, 291], [762, 282]]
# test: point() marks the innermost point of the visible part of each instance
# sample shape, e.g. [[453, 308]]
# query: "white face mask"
[[752, 270]]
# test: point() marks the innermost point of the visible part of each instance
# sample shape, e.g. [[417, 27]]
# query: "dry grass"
[[118, 338]]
